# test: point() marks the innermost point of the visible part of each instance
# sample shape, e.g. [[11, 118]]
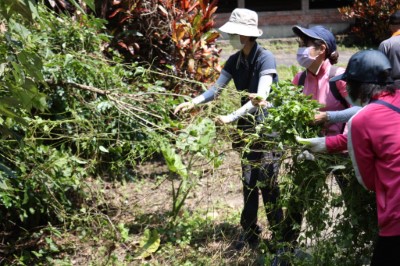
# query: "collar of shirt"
[[322, 70], [397, 33], [315, 83], [381, 95], [250, 59]]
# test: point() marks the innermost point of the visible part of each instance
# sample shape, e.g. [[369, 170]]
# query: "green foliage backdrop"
[[70, 114]]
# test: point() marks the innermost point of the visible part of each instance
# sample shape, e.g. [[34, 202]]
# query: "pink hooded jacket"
[[374, 147]]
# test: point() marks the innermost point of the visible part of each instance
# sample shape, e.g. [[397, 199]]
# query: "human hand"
[[320, 117], [183, 107], [314, 144], [257, 100]]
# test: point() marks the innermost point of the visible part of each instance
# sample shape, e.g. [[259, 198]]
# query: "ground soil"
[[147, 201]]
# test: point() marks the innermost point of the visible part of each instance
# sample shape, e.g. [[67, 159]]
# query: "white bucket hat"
[[243, 22]]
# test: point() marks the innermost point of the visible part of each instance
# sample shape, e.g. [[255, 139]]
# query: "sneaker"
[[251, 237], [278, 259], [302, 255], [241, 242]]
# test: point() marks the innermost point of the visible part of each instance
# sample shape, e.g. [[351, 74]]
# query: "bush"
[[70, 115], [371, 19], [176, 37]]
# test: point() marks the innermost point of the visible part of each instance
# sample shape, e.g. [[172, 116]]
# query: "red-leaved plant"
[[371, 19], [174, 36]]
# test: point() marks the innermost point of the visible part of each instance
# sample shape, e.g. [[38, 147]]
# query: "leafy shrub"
[[176, 37], [69, 113], [371, 19]]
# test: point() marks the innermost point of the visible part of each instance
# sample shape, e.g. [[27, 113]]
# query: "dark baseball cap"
[[367, 66], [319, 33], [394, 19]]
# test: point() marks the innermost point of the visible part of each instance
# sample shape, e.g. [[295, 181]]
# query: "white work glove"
[[184, 107], [224, 119], [305, 155], [313, 144]]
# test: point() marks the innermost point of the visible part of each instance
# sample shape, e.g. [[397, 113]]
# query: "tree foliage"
[[371, 19], [175, 37], [68, 113]]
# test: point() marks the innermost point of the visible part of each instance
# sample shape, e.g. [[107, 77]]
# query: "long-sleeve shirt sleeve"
[[214, 90], [264, 87], [342, 115], [337, 143]]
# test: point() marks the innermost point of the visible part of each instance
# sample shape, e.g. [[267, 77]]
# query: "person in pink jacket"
[[317, 54], [373, 142]]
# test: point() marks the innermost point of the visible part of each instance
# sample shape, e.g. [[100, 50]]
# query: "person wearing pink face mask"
[[317, 54]]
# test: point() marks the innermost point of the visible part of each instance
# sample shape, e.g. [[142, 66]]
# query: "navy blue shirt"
[[260, 60]]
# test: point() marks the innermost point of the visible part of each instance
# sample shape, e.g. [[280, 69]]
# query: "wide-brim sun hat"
[[243, 22], [319, 33], [367, 66]]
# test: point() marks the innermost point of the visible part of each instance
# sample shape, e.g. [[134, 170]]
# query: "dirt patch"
[[146, 203]]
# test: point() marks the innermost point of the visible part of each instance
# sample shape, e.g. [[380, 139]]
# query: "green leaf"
[[90, 4], [26, 8], [52, 246], [68, 59], [37, 254], [19, 29], [337, 167], [174, 161], [149, 243], [33, 9], [18, 74], [103, 149], [73, 2], [124, 231]]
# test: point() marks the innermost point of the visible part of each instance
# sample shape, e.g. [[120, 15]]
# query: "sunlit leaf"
[[149, 243], [103, 149], [90, 4]]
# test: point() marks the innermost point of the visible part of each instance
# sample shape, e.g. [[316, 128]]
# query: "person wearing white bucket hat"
[[253, 70], [242, 22]]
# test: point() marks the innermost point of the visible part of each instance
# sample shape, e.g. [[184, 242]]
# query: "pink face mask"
[[303, 57]]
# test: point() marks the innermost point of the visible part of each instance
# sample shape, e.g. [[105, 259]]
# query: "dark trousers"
[[259, 174], [386, 251]]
